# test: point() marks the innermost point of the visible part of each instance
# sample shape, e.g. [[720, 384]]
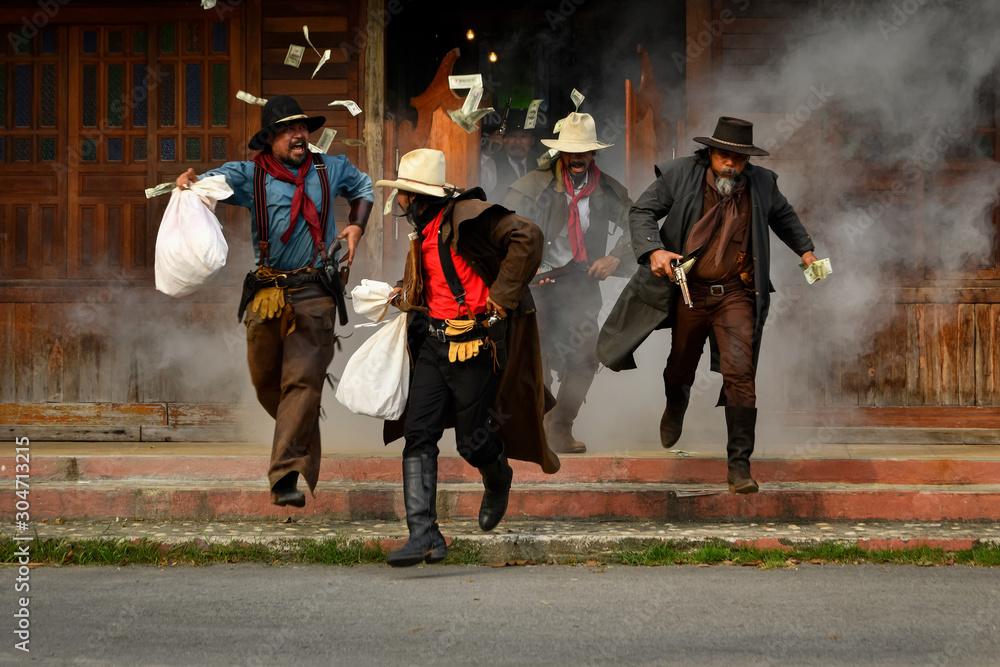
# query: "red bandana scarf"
[[300, 200], [575, 227]]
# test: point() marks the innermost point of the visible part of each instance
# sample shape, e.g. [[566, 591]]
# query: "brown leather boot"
[[559, 435], [740, 423], [573, 388]]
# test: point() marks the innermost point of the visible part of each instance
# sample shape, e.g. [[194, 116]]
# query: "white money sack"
[[376, 379], [190, 246]]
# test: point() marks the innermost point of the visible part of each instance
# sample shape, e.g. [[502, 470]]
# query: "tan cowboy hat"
[[578, 135], [422, 172]]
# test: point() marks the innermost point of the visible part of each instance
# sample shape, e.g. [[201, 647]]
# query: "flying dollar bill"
[[326, 139], [354, 142], [208, 4], [577, 98], [531, 118], [465, 81], [161, 189], [350, 105], [389, 201], [295, 53], [322, 61], [818, 270], [305, 31], [250, 99], [472, 100], [468, 121], [559, 124]]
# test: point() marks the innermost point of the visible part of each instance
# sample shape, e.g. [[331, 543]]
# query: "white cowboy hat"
[[422, 172], [578, 135]]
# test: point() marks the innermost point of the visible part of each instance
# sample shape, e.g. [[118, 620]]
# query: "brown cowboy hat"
[[281, 110], [733, 135]]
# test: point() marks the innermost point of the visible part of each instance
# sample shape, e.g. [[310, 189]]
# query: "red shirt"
[[440, 300]]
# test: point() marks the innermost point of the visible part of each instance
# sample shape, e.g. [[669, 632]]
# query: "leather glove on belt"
[[462, 350], [269, 302]]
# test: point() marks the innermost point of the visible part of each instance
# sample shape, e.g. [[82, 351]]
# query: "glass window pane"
[[115, 95], [48, 95], [48, 149], [140, 95], [139, 41], [3, 150], [168, 149], [167, 95], [166, 38], [115, 41], [88, 150], [22, 149], [192, 149], [114, 149], [90, 41], [219, 148], [192, 96], [192, 37], [49, 41], [22, 96], [22, 46], [220, 100], [89, 95], [139, 150], [219, 38], [3, 95]]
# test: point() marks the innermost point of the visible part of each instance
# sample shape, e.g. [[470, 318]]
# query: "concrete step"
[[786, 501], [575, 469]]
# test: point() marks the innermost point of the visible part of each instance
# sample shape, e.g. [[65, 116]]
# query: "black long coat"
[[647, 302]]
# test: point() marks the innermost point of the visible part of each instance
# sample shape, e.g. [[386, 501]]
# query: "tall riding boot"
[[740, 423], [497, 477], [573, 388], [426, 544], [672, 421]]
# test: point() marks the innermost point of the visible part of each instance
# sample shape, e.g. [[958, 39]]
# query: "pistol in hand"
[[680, 277]]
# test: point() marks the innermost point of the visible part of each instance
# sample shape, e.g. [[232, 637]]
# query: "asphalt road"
[[548, 615]]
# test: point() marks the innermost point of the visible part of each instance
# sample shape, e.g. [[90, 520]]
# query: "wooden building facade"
[[100, 100]]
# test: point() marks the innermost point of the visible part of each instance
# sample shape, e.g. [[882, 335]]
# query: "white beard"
[[725, 186]]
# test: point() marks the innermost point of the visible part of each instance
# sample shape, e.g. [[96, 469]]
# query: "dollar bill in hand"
[[161, 189], [295, 53], [818, 270]]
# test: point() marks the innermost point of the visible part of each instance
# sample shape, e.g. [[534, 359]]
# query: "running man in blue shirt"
[[292, 299]]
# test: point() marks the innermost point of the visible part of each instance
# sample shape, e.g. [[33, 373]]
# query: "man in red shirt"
[[474, 341]]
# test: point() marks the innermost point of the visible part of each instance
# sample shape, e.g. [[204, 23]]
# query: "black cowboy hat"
[[733, 135], [281, 110]]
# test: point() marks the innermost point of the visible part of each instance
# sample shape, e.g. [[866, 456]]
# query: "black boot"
[[497, 477], [740, 423], [672, 420], [426, 544], [284, 492]]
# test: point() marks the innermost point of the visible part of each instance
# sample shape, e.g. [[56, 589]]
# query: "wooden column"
[[374, 87]]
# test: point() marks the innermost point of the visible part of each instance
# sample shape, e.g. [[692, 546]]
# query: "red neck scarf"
[[301, 203], [575, 227]]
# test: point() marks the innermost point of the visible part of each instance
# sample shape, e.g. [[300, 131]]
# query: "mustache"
[[296, 143], [577, 163], [731, 173]]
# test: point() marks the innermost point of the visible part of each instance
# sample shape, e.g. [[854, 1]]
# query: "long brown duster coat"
[[504, 250]]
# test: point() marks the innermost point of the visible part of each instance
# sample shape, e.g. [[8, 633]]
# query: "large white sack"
[[190, 246], [370, 299], [377, 377]]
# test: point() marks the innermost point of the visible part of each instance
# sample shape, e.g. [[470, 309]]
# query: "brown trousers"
[[730, 316], [288, 376]]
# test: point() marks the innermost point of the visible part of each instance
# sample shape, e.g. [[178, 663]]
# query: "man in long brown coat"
[[474, 342]]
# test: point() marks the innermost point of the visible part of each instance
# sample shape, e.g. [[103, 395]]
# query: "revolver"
[[681, 268]]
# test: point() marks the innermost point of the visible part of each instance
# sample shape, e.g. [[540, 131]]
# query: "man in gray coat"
[[718, 209]]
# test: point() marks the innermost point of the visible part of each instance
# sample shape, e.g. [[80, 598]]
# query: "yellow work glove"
[[464, 350], [268, 302], [458, 327]]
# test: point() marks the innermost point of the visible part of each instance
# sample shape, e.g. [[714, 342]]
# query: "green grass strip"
[[340, 551]]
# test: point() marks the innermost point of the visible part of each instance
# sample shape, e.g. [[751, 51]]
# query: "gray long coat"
[[647, 302]]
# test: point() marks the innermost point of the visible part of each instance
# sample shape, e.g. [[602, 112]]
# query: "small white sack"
[[190, 246], [370, 299], [376, 379]]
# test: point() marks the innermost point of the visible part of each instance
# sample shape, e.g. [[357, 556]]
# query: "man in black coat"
[[718, 209]]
